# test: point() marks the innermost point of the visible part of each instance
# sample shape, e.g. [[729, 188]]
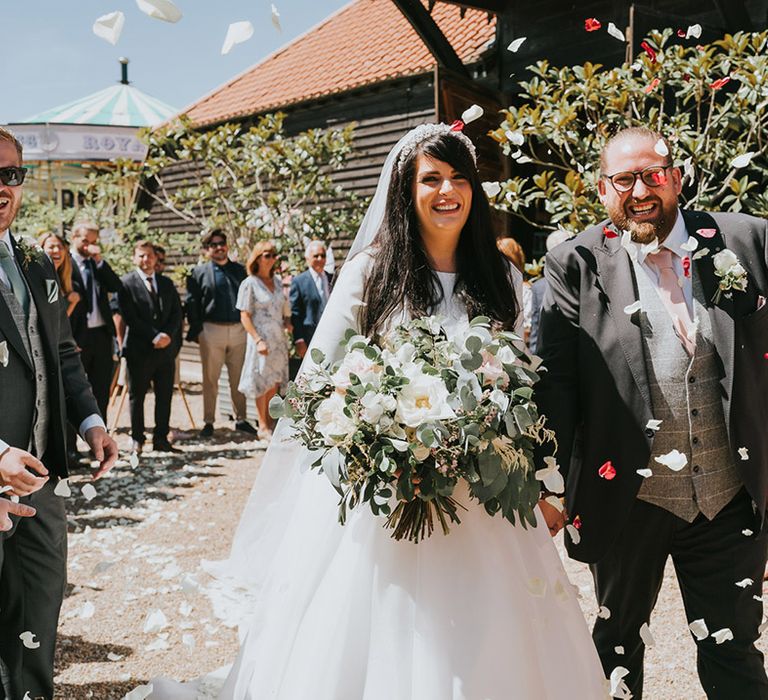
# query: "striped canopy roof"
[[119, 105]]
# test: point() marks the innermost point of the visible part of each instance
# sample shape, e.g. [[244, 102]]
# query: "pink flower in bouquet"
[[356, 363], [492, 369]]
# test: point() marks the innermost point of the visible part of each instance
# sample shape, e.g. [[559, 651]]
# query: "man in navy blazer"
[[309, 294]]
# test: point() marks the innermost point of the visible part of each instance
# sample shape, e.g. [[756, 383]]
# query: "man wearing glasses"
[[654, 333], [214, 323], [309, 295], [42, 385]]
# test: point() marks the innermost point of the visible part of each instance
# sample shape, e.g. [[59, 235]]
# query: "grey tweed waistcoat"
[[29, 330], [685, 396]]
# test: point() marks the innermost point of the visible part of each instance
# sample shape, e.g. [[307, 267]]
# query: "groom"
[[657, 388], [42, 383]]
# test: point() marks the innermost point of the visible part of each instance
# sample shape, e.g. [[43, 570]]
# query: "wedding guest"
[[513, 252], [93, 279], [151, 308], [56, 249], [308, 296], [264, 315], [657, 391], [42, 384], [214, 323]]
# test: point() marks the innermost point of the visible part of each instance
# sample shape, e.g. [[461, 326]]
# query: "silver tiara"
[[424, 131]]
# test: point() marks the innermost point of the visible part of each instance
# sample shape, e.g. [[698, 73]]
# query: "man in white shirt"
[[43, 385], [308, 295]]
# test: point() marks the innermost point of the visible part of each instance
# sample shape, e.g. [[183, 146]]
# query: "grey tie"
[[15, 279]]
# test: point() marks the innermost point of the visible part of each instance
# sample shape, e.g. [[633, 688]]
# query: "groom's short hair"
[[7, 136], [641, 132]]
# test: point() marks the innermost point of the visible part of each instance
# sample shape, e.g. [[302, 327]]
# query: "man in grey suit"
[[40, 369], [654, 332]]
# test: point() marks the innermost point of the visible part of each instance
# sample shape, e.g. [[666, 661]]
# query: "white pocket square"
[[4, 353], [52, 288]]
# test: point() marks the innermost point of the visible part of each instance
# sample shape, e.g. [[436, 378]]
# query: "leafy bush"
[[711, 102]]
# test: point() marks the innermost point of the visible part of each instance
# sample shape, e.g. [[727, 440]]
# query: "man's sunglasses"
[[12, 176], [652, 176], [217, 244], [268, 255]]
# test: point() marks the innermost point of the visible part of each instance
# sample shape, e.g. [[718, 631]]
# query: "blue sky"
[[51, 55]]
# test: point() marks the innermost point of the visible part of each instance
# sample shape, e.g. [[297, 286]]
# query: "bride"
[[333, 612]]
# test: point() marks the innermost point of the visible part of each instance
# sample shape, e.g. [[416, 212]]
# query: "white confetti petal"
[[646, 636], [645, 473], [674, 460], [516, 138], [747, 532], [691, 244], [699, 629], [556, 503], [155, 622], [140, 693], [619, 650], [3, 489], [491, 189], [722, 635], [472, 113], [237, 33], [160, 9], [661, 148], [700, 253], [688, 168], [604, 613], [745, 582], [629, 310], [693, 31], [29, 640], [551, 476], [619, 687], [743, 453], [114, 657], [574, 533], [615, 32], [537, 587], [653, 424], [276, 19], [109, 27], [87, 611], [62, 489], [89, 492], [516, 44], [743, 160]]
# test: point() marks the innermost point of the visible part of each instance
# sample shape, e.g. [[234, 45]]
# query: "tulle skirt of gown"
[[348, 613]]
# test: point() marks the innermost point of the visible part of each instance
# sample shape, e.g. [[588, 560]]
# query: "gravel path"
[[133, 608]]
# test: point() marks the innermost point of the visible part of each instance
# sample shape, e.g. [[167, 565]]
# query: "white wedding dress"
[[348, 613]]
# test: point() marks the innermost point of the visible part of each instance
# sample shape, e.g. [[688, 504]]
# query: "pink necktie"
[[672, 296]]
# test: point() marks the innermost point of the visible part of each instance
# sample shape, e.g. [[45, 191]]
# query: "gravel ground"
[[135, 550]]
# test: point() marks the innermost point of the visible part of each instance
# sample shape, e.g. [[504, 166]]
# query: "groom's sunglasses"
[[12, 176]]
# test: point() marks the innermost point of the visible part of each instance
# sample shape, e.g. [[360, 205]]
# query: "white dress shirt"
[[92, 421], [152, 280], [95, 319], [321, 282]]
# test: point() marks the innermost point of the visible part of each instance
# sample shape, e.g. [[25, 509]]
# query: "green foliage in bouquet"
[[711, 102], [397, 425]]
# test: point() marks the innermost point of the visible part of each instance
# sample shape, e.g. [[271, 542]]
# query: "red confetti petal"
[[765, 357], [645, 46], [660, 178], [650, 88], [607, 471], [681, 33], [592, 24], [609, 232], [719, 83], [707, 232], [687, 266], [458, 125], [577, 522]]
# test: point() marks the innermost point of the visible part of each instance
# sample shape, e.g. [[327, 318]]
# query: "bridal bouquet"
[[396, 425]]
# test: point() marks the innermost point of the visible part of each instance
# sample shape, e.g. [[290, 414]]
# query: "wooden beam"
[[734, 15], [426, 27], [495, 6]]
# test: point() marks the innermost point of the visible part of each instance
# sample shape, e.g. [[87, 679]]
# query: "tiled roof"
[[365, 42]]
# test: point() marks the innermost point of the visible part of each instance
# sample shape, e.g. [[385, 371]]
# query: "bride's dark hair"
[[400, 276]]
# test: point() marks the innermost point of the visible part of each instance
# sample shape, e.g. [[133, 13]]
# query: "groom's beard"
[[642, 232]]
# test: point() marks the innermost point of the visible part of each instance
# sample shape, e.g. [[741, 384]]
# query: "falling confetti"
[[88, 491], [699, 629], [632, 308], [109, 27], [62, 489], [28, 638], [592, 24], [653, 424], [691, 244], [607, 471], [722, 635], [133, 460], [652, 86], [615, 32], [574, 533], [619, 650], [646, 636], [551, 476], [618, 686], [515, 137], [516, 44], [237, 33], [491, 189], [276, 19], [707, 232], [674, 460], [471, 113], [721, 82], [604, 613], [649, 50], [661, 148], [743, 453], [744, 582], [693, 31], [747, 532], [160, 9], [645, 473], [608, 232]]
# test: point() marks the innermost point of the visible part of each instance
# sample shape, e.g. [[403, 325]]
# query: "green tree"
[[254, 183], [710, 102]]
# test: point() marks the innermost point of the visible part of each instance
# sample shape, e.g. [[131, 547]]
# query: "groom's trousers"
[[33, 568], [709, 557]]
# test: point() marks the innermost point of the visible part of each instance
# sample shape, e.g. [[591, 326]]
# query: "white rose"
[[332, 423], [738, 270], [357, 363], [423, 399], [375, 406], [724, 260]]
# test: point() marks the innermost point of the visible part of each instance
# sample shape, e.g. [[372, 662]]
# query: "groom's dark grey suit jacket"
[[595, 393], [69, 393]]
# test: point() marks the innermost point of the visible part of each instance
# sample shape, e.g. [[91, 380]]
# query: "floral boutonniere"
[[731, 273], [30, 252]]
